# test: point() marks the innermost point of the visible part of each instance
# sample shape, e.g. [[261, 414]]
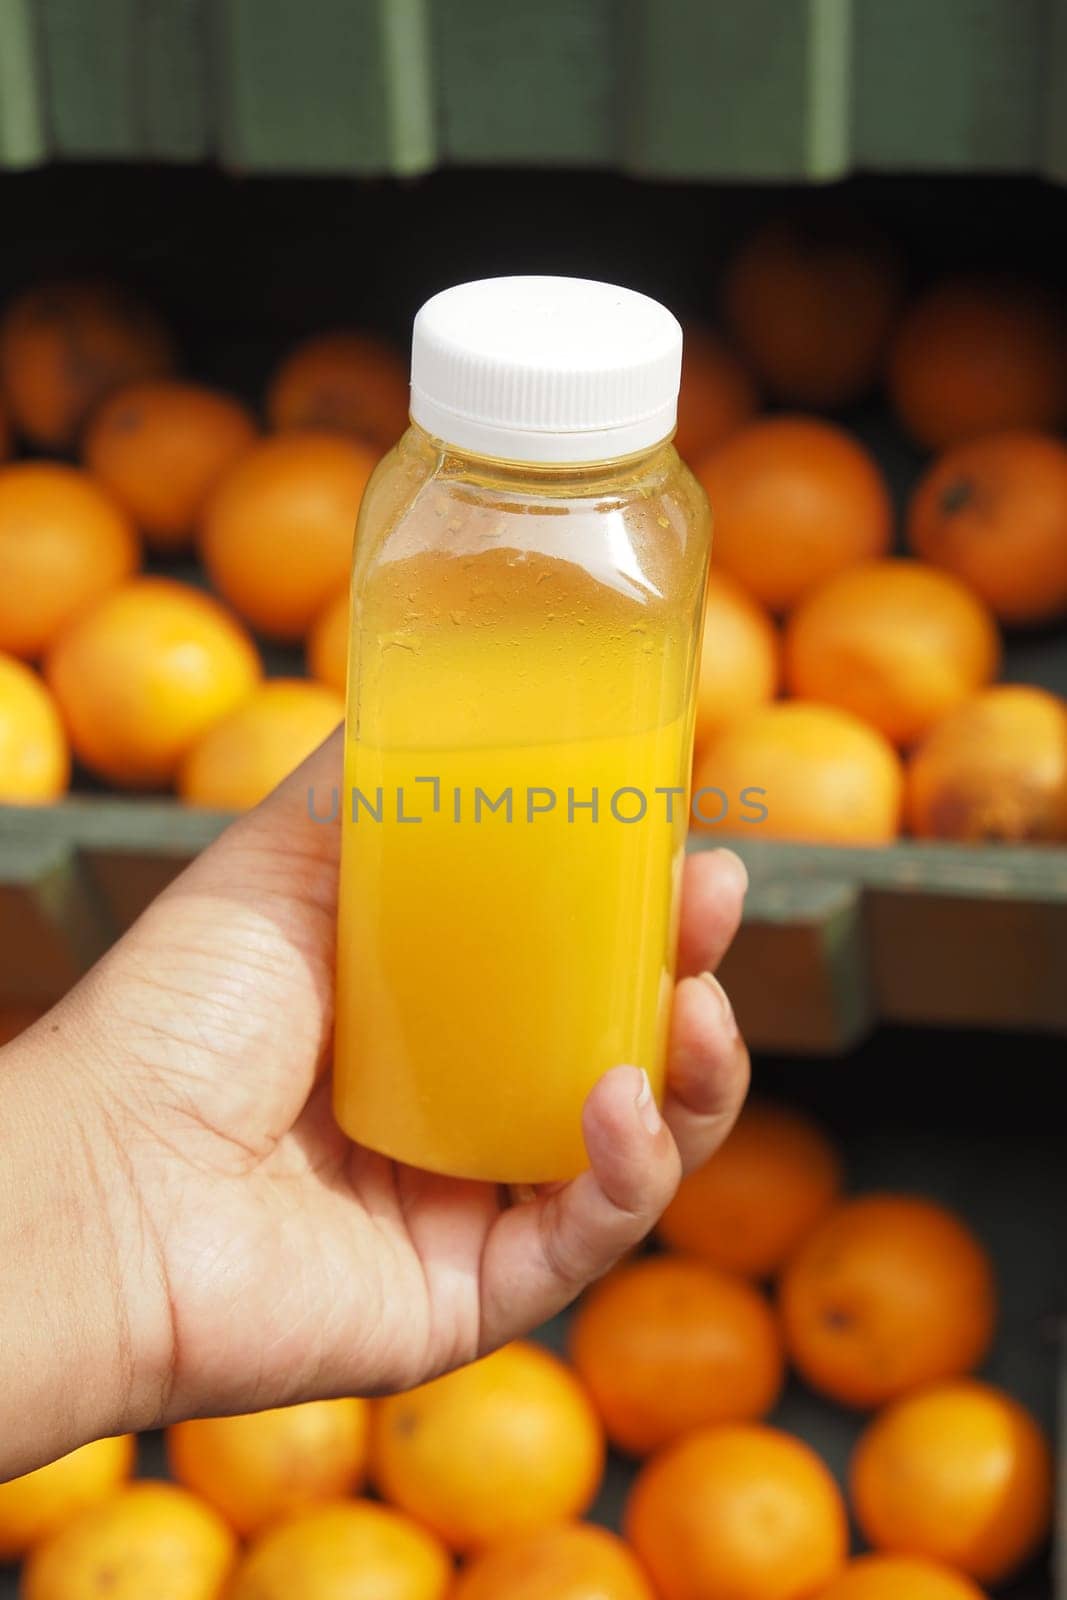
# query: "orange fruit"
[[794, 500], [327, 643], [144, 674], [505, 1446], [737, 1513], [576, 1561], [241, 758], [64, 346], [889, 1292], [811, 300], [63, 543], [255, 1469], [995, 768], [799, 771], [355, 1550], [748, 1208], [894, 642], [146, 1539], [717, 395], [976, 355], [994, 512], [16, 1019], [34, 754], [959, 1473], [665, 1345], [900, 1578], [160, 447], [35, 1505], [739, 665], [342, 382], [277, 531]]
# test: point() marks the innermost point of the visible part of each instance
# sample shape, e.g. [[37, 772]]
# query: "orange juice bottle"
[[527, 600]]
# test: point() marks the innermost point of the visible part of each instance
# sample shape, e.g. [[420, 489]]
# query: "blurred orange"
[[144, 674], [160, 447], [34, 1506], [749, 1207], [994, 512], [246, 754], [64, 346], [666, 1345], [737, 1513], [34, 754], [327, 643], [894, 642], [146, 1539], [900, 1578], [889, 1292], [576, 1561], [976, 355], [5, 432], [739, 665], [277, 532], [995, 768], [505, 1446], [799, 771], [347, 1551], [811, 299], [16, 1019], [717, 395], [342, 382], [793, 501], [63, 543], [960, 1473], [255, 1469]]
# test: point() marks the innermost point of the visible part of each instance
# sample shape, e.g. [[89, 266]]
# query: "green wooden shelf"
[[715, 89], [834, 940]]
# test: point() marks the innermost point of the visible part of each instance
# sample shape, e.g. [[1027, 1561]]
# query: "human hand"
[[222, 1246]]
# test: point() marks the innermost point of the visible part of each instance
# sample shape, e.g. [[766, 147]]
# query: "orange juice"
[[520, 719]]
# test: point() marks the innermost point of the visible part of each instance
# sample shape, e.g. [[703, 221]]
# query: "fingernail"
[[736, 865], [647, 1109], [729, 1021]]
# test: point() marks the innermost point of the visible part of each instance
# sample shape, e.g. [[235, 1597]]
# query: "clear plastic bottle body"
[[522, 672]]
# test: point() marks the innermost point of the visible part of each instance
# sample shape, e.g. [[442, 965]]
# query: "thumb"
[[540, 1254]]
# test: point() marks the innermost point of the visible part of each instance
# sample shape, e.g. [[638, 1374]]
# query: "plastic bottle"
[[527, 603]]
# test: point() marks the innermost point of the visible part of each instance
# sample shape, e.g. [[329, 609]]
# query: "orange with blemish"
[[161, 447], [888, 1293]]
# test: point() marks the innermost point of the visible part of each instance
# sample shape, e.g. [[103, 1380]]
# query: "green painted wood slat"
[[758, 90], [768, 89], [22, 135], [952, 86], [324, 85], [91, 68], [523, 84], [174, 80], [833, 941]]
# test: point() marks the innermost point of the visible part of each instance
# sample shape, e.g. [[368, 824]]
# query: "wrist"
[[74, 1339]]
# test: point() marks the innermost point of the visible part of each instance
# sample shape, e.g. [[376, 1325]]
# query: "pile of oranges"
[[475, 1486], [148, 682], [892, 719]]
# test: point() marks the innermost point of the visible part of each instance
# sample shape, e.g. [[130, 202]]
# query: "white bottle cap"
[[545, 369]]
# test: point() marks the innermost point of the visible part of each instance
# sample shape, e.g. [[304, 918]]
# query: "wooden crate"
[[833, 942], [767, 89]]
